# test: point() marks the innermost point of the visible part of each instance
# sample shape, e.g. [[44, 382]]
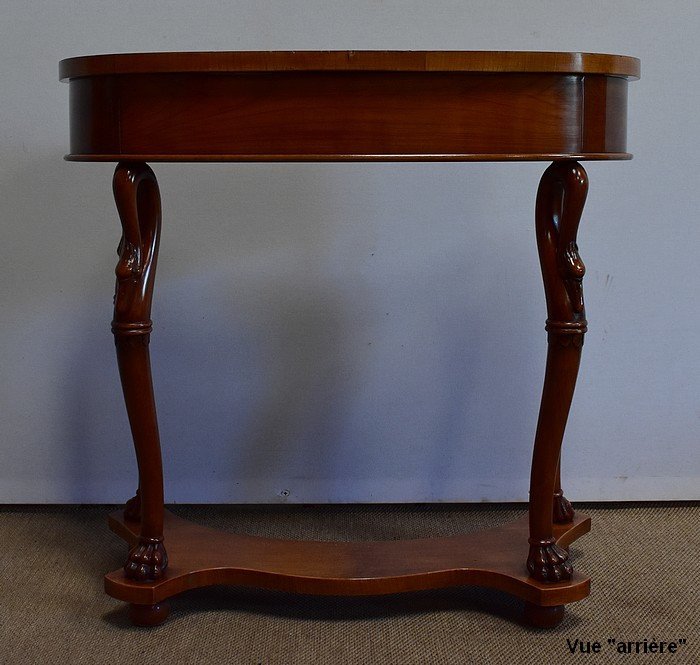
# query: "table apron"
[[347, 115]]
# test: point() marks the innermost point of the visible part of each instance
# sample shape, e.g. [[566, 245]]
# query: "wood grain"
[[137, 197], [201, 556], [388, 61], [343, 106], [350, 106]]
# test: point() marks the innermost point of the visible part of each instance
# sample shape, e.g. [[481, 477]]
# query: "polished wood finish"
[[373, 106], [204, 557], [138, 203], [562, 509], [338, 61], [148, 615], [538, 616], [560, 200], [344, 106]]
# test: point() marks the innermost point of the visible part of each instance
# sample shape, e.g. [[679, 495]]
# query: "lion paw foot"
[[147, 561], [563, 510], [547, 562]]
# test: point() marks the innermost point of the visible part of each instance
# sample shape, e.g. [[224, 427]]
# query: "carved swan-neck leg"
[[560, 200], [138, 203]]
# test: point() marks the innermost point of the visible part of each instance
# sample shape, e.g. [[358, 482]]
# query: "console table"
[[349, 106]]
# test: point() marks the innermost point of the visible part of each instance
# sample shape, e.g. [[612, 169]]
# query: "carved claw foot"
[[147, 561], [132, 509], [547, 562], [563, 510]]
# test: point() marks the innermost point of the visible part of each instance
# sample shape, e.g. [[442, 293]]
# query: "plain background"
[[349, 332]]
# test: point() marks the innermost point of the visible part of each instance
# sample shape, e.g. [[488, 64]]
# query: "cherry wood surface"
[[406, 61], [203, 557], [363, 106], [342, 105]]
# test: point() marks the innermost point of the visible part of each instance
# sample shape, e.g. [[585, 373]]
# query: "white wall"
[[349, 332]]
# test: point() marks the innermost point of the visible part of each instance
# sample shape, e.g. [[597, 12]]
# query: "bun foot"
[[149, 615], [543, 617]]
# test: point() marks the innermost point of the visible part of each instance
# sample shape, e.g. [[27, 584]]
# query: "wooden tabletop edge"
[[387, 61]]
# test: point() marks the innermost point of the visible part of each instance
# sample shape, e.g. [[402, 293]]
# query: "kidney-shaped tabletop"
[[348, 105]]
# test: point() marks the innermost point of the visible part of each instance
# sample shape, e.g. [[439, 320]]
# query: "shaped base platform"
[[495, 558]]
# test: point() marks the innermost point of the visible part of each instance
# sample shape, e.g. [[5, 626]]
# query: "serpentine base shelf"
[[204, 557]]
